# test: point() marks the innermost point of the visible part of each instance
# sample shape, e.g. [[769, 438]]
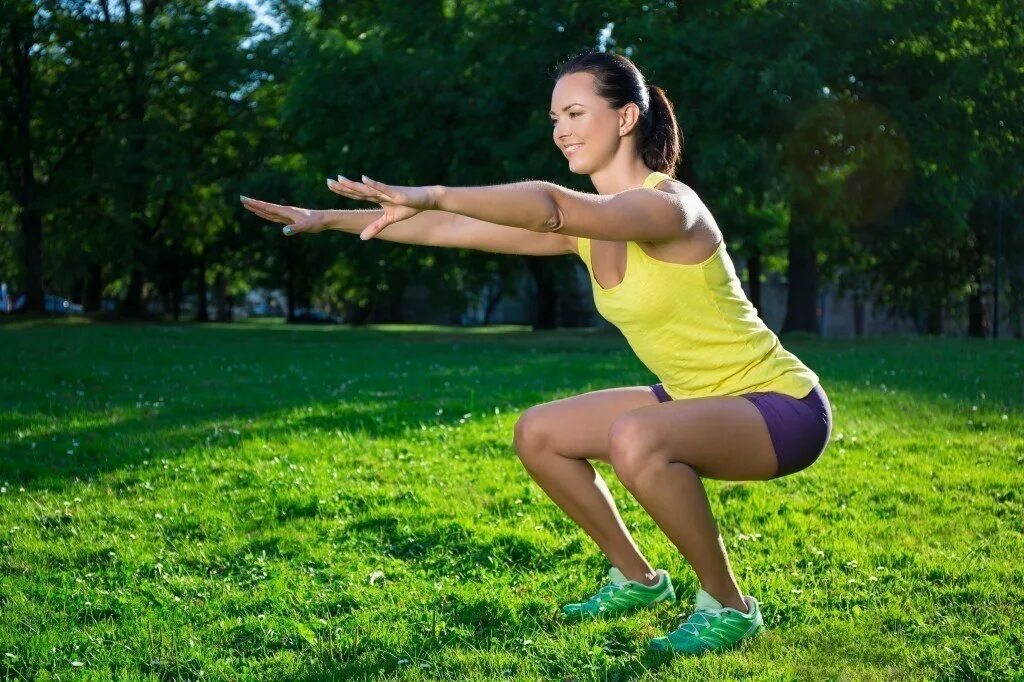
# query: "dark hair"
[[618, 81]]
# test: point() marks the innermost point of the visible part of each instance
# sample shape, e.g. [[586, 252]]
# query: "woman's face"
[[585, 128]]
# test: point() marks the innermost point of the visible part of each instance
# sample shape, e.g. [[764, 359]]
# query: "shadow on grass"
[[387, 382], [102, 447]]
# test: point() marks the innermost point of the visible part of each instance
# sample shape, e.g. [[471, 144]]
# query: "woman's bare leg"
[[554, 441], [660, 453]]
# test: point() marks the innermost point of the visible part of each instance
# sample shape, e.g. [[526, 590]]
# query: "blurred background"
[[864, 159]]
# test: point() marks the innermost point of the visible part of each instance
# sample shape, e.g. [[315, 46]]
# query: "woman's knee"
[[631, 451], [532, 435]]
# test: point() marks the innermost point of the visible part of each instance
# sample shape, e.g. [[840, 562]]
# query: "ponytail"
[[661, 143]]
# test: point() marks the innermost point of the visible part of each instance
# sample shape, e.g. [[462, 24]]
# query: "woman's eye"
[[572, 114]]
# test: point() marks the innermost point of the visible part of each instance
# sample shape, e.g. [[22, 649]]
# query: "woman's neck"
[[618, 177]]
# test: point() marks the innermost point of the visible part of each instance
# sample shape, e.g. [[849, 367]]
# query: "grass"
[[254, 501]]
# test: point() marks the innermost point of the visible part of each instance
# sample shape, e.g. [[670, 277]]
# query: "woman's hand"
[[296, 219], [398, 202]]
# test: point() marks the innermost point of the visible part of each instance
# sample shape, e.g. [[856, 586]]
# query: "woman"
[[732, 403]]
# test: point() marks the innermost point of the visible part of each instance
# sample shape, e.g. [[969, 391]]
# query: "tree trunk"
[[220, 293], [357, 315], [92, 298], [547, 295], [754, 278], [32, 235], [387, 306], [933, 322], [137, 85], [132, 305], [858, 316], [289, 288], [201, 298], [977, 316], [492, 304], [398, 293], [25, 189], [176, 299], [802, 289]]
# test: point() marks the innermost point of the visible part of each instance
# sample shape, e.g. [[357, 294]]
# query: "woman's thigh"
[[577, 427]]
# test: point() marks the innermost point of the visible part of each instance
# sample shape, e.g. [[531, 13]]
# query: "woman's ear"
[[629, 115]]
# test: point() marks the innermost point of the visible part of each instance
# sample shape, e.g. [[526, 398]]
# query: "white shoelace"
[[605, 592], [692, 624]]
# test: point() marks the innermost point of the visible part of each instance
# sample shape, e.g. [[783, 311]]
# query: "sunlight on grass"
[[262, 501]]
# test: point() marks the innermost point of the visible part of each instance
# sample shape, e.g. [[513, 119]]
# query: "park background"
[[194, 486], [864, 159]]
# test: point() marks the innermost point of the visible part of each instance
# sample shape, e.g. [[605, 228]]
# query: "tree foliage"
[[873, 145]]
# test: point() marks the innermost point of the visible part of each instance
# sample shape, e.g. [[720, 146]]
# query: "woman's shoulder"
[[667, 183]]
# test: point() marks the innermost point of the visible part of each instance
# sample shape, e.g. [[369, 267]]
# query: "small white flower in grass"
[[376, 575], [527, 642], [403, 661], [77, 664], [1005, 417]]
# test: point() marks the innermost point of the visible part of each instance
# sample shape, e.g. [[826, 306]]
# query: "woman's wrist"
[[437, 193]]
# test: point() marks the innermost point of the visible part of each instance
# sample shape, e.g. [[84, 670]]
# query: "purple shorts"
[[799, 427]]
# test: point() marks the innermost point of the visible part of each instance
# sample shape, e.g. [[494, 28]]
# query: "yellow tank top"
[[693, 327]]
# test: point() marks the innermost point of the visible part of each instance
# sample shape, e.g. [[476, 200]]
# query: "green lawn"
[[254, 501]]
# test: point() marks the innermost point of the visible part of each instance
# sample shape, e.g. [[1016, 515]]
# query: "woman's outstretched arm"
[[633, 215], [642, 214], [442, 228], [429, 228]]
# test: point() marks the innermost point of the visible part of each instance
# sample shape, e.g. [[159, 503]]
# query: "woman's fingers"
[[374, 228], [263, 214], [379, 188], [344, 191], [249, 202], [267, 210], [348, 189], [356, 190]]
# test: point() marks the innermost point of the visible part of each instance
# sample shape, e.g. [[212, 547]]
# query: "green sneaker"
[[712, 627], [621, 595]]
